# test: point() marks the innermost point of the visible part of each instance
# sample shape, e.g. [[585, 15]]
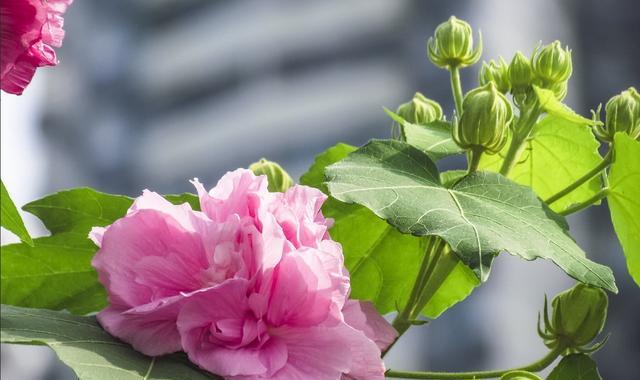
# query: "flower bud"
[[520, 375], [560, 89], [623, 114], [520, 73], [484, 122], [552, 64], [496, 72], [420, 110], [578, 317], [279, 180], [452, 45]]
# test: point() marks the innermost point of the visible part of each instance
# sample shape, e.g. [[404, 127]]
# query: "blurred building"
[[151, 93]]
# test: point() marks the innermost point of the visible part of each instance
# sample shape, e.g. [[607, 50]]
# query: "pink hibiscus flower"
[[28, 30], [252, 287]]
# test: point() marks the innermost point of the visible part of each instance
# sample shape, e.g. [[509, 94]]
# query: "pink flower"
[[252, 287], [28, 29]]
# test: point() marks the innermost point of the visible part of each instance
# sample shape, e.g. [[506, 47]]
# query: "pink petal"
[[363, 316]]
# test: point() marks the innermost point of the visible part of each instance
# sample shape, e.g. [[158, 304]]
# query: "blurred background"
[[151, 93]]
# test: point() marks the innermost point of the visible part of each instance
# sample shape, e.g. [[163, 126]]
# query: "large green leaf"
[[434, 138], [10, 218], [559, 153], [624, 199], [555, 107], [91, 352], [55, 273], [481, 215], [575, 367], [383, 263]]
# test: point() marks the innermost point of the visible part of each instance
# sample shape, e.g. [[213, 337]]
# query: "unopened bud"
[[484, 123], [420, 110], [278, 179], [520, 73], [623, 114], [552, 64], [452, 45], [496, 72]]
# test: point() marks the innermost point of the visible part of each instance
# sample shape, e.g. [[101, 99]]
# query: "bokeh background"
[[151, 93]]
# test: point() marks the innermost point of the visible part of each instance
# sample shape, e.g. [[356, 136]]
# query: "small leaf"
[[624, 199], [553, 106], [567, 147], [10, 218], [78, 209], [55, 273], [383, 263], [575, 367], [90, 351], [434, 138], [482, 215], [82, 208]]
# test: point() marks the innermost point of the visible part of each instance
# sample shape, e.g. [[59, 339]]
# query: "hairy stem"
[[590, 174], [521, 132], [582, 205], [533, 367], [476, 154], [456, 89]]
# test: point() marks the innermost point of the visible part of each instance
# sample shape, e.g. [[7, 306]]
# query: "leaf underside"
[[575, 367], [90, 351]]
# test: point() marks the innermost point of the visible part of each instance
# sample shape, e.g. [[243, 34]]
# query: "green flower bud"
[[623, 114], [520, 73], [452, 45], [520, 375], [560, 89], [486, 114], [420, 110], [496, 72], [552, 64], [578, 317], [279, 180]]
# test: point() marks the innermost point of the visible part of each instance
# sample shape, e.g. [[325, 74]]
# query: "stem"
[[533, 367], [521, 132], [590, 174], [456, 88], [582, 205], [476, 153]]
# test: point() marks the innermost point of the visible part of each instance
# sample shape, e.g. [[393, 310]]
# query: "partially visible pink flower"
[[28, 30], [252, 287]]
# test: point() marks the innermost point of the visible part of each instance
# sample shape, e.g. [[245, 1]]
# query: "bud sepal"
[[452, 45]]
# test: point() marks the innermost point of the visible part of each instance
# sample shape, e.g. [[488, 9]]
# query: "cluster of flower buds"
[[622, 115], [452, 45], [485, 119], [420, 110], [279, 180], [578, 317], [496, 72]]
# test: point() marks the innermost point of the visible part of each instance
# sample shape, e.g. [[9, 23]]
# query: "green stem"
[[582, 205], [456, 88], [521, 133], [476, 153], [533, 367], [590, 174]]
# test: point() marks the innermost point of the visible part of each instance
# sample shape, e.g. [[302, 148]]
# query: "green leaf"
[[449, 177], [624, 199], [55, 273], [553, 106], [10, 218], [78, 209], [575, 367], [81, 209], [383, 263], [560, 152], [482, 215], [434, 138], [90, 351]]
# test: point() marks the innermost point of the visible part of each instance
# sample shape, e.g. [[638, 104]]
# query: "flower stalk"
[[586, 177]]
